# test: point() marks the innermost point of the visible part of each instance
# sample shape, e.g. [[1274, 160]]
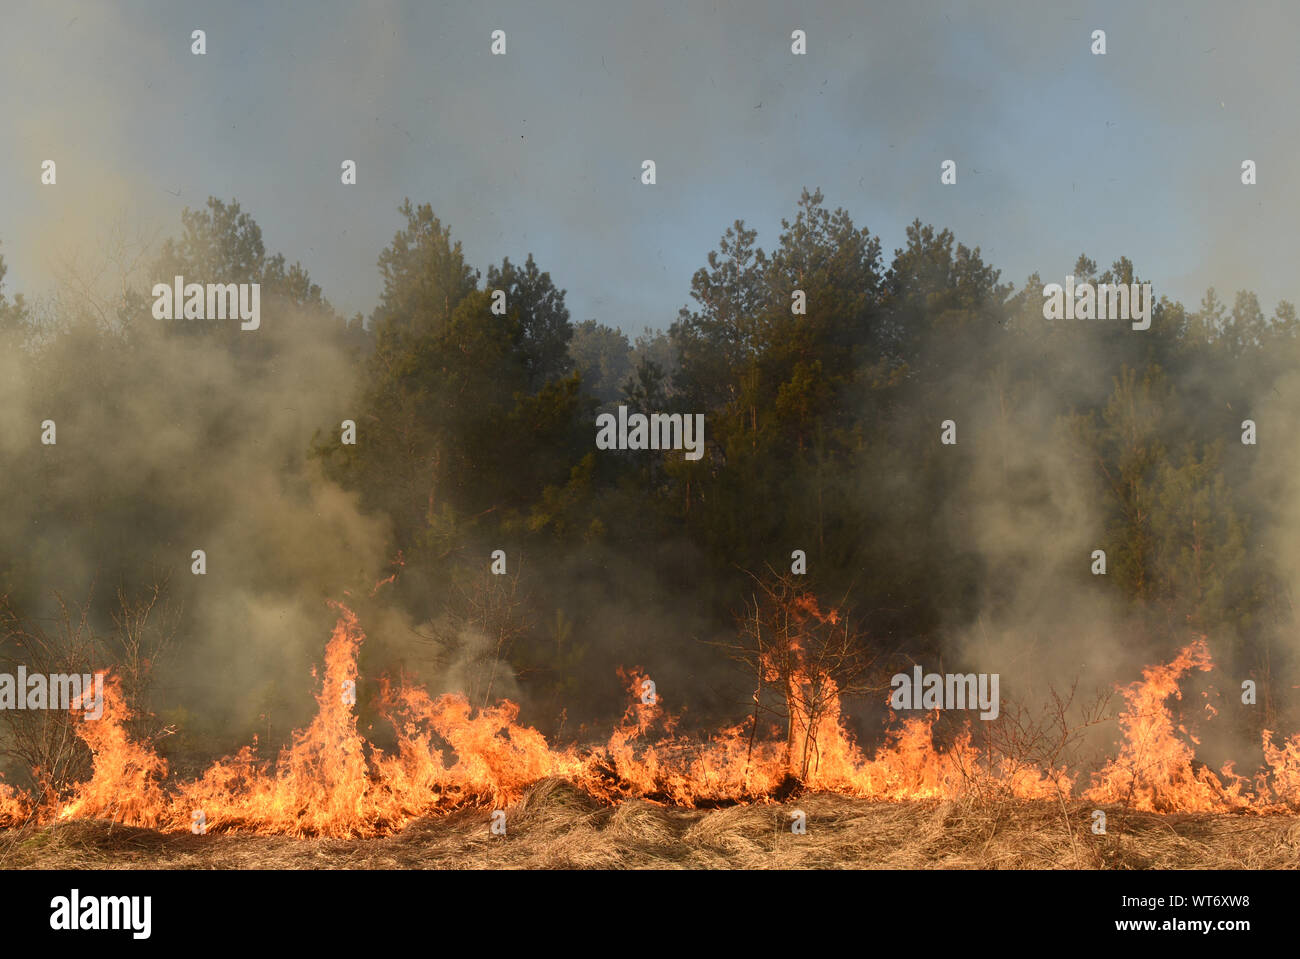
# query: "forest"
[[946, 461]]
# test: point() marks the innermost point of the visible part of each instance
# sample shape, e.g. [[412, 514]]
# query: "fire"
[[14, 809], [1153, 770], [807, 604], [1156, 770], [397, 565], [126, 785], [319, 785], [330, 781]]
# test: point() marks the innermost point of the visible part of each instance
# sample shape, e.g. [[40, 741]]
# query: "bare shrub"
[[803, 660], [43, 742]]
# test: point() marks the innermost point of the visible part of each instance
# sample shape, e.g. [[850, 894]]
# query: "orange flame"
[[1154, 769], [330, 781]]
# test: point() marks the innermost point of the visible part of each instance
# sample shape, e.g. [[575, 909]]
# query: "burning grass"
[[650, 797], [556, 825]]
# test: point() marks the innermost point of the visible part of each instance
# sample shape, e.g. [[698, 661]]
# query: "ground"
[[557, 826]]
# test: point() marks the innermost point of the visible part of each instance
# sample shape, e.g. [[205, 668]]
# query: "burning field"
[[556, 825], [468, 787]]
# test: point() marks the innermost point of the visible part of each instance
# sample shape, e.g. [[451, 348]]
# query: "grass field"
[[556, 826]]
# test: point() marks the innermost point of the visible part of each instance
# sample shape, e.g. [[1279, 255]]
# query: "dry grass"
[[556, 826]]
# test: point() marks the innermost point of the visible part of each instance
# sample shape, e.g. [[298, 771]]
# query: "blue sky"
[[1059, 152]]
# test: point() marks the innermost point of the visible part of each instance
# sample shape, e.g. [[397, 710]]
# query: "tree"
[[470, 413], [223, 244], [602, 355], [542, 323], [14, 315]]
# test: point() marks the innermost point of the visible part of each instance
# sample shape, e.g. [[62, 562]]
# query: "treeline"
[[825, 372]]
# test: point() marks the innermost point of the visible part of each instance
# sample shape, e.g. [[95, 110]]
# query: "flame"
[[14, 808], [330, 781], [397, 565], [806, 603], [126, 784], [1154, 770]]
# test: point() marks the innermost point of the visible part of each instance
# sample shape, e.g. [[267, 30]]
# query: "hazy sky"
[[1134, 153]]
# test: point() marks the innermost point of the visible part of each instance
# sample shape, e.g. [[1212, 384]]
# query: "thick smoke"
[[166, 443]]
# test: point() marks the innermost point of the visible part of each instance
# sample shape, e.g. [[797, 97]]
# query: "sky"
[[1058, 151]]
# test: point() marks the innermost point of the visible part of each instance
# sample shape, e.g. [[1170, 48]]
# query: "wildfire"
[[1154, 769], [330, 781], [13, 807]]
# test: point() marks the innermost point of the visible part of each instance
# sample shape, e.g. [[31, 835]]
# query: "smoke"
[[168, 443], [1028, 500], [1145, 143], [1278, 486], [1032, 512]]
